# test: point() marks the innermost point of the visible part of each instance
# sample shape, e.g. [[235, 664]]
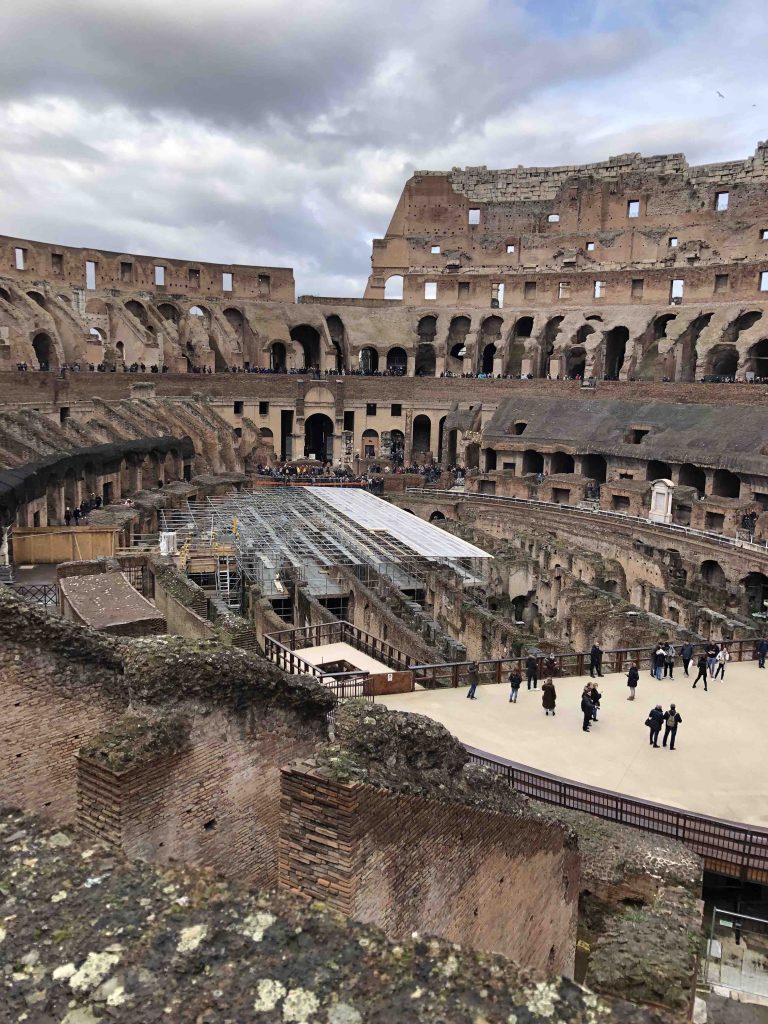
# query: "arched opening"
[[756, 592], [397, 438], [44, 350], [712, 573], [615, 350], [693, 476], [370, 444], [533, 462], [453, 441], [427, 330], [235, 319], [743, 322], [393, 287], [338, 336], [369, 360], [440, 431], [758, 358], [723, 361], [168, 312], [687, 342], [5, 295], [595, 467], [425, 361], [422, 433], [96, 334], [136, 309], [38, 298], [562, 462], [120, 351], [488, 456], [656, 470], [523, 327], [397, 360], [436, 517], [576, 360], [660, 325], [198, 311], [726, 484], [547, 347], [318, 437], [457, 343], [472, 455], [489, 353], [309, 339], [277, 357]]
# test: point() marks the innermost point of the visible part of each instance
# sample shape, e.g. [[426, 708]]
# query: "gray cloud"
[[282, 133]]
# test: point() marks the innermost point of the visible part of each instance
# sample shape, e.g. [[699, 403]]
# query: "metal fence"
[[728, 848], [44, 595], [337, 632], [736, 953]]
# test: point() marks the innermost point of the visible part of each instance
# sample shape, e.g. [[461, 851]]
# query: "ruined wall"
[[409, 864]]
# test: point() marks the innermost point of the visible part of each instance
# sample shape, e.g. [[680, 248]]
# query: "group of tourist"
[[80, 512]]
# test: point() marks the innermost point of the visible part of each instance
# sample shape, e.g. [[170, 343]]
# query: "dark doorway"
[[338, 339], [693, 476], [422, 433], [309, 339], [575, 361], [756, 590], [318, 436], [656, 470], [425, 361], [615, 351], [562, 462], [369, 360], [489, 353], [277, 357], [595, 467], [724, 361], [43, 347], [758, 358], [397, 360]]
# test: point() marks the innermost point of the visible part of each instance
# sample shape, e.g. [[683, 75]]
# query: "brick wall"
[[495, 881]]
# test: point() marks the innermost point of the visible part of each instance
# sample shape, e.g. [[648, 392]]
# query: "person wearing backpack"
[[671, 721], [633, 677], [515, 679]]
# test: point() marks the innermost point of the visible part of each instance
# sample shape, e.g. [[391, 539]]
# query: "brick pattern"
[[494, 881]]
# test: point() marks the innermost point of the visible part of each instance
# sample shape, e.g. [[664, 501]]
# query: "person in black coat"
[[587, 709], [596, 660], [532, 671], [654, 722], [762, 650], [633, 677], [686, 653], [701, 664], [671, 721], [594, 696]]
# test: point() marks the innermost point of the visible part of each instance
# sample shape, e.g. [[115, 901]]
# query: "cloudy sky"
[[268, 131]]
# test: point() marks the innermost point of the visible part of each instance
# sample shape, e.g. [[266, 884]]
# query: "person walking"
[[532, 671], [594, 696], [658, 661], [76, 515], [586, 709], [67, 515], [762, 650], [654, 722], [548, 697], [671, 721], [722, 659], [686, 653], [474, 678], [633, 677], [596, 660], [515, 679], [701, 664], [711, 659], [669, 661]]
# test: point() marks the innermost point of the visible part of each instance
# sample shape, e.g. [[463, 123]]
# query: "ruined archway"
[[277, 357], [726, 484], [44, 350], [533, 461], [369, 360], [562, 462], [756, 592], [422, 433], [318, 436], [169, 312], [758, 359], [657, 470], [595, 467], [687, 345], [489, 354], [575, 361], [457, 343], [712, 573], [308, 338], [338, 335], [615, 351], [723, 361], [547, 344]]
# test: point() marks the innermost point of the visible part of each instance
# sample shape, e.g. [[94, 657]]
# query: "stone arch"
[[397, 360], [338, 335], [693, 476], [547, 343], [660, 325], [575, 360], [44, 350], [397, 439], [687, 345], [5, 295], [120, 351], [533, 461], [655, 469], [487, 357], [138, 310], [595, 467], [755, 586], [523, 327], [38, 298], [393, 287], [712, 573], [457, 342], [278, 357], [615, 351], [723, 360], [427, 330], [562, 462], [200, 311], [743, 322], [168, 311], [726, 484], [369, 360], [758, 358], [437, 516], [422, 433], [318, 436], [308, 338], [370, 443], [235, 319]]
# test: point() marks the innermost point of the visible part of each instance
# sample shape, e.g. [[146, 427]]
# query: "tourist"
[[659, 658], [532, 671], [711, 659], [76, 515], [515, 679], [633, 677], [67, 515], [595, 660], [702, 665], [586, 709], [762, 650], [669, 661], [594, 696], [722, 659], [654, 722], [474, 678], [671, 721], [548, 697], [686, 653]]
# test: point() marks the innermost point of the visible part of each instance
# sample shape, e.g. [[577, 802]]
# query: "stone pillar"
[[411, 365]]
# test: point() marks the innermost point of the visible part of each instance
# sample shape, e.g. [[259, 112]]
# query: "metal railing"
[[495, 670], [727, 847], [600, 513], [338, 632], [44, 595]]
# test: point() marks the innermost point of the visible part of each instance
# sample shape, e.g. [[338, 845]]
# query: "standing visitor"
[[586, 709], [594, 696], [658, 661], [532, 671], [721, 660], [548, 697], [654, 721], [67, 515], [596, 660], [633, 677], [669, 661], [762, 650], [515, 679], [711, 659], [474, 678], [686, 653], [671, 721], [702, 667]]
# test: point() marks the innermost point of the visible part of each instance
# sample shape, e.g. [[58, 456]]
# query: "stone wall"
[[408, 864]]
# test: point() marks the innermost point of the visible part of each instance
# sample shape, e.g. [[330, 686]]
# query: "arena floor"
[[717, 768]]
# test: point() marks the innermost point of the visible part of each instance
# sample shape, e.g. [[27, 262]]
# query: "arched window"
[[44, 350], [422, 433], [397, 360], [712, 573], [562, 462], [369, 360], [533, 462], [277, 357], [393, 287], [370, 443], [308, 338]]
